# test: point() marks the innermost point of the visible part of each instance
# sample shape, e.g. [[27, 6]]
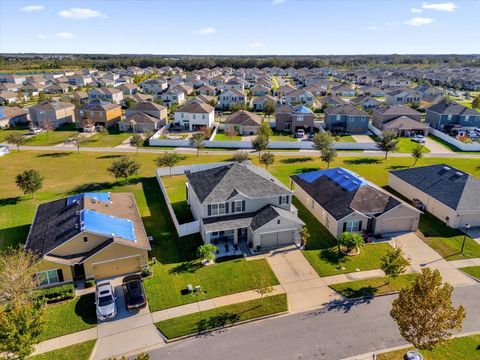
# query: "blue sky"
[[230, 27]]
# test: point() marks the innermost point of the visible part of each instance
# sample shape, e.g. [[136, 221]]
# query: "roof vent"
[[458, 173], [346, 177], [446, 168]]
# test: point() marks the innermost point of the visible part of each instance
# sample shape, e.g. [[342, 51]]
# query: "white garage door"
[[277, 239], [473, 220], [395, 225]]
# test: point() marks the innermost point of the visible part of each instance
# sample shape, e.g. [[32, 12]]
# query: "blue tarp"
[[302, 110], [107, 225], [344, 178], [99, 196]]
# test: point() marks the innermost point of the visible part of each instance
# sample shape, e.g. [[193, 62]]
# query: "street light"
[[467, 226]]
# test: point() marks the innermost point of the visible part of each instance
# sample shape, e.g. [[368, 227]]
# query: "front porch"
[[230, 242]]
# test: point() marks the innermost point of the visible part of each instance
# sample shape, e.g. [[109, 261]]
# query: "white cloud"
[[65, 35], [31, 8], [41, 36], [256, 45], [448, 6], [419, 21], [416, 10], [206, 31], [373, 27], [278, 2], [81, 13]]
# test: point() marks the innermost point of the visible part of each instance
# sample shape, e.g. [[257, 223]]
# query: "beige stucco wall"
[[43, 265], [399, 213], [76, 244]]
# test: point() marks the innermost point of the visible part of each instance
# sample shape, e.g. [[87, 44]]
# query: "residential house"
[[291, 118], [142, 97], [259, 90], [331, 101], [448, 193], [243, 205], [187, 89], [173, 96], [106, 94], [366, 102], [346, 119], [194, 115], [372, 91], [258, 102], [87, 236], [402, 96], [207, 90], [237, 84], [57, 89], [80, 80], [343, 201], [231, 97], [12, 78], [284, 90], [128, 89], [99, 112], [399, 118], [342, 90], [12, 116], [57, 113], [154, 86], [243, 122], [10, 97], [144, 116], [300, 97], [80, 96], [447, 113]]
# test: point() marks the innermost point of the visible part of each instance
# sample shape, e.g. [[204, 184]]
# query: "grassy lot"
[[50, 138], [282, 136], [175, 187], [345, 138], [457, 348], [220, 136], [472, 271], [80, 351], [108, 140], [406, 145], [70, 316], [6, 132], [374, 286], [219, 317]]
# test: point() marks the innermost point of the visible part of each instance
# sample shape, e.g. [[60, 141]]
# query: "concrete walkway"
[[422, 255], [465, 262], [436, 148]]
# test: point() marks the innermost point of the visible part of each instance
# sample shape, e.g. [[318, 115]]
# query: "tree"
[[262, 285], [77, 140], [269, 108], [29, 181], [70, 89], [240, 156], [393, 263], [230, 132], [207, 252], [136, 141], [15, 139], [351, 240], [123, 168], [265, 130], [237, 107], [417, 153], [41, 97], [128, 102], [304, 236], [48, 126], [267, 159], [476, 102], [387, 142], [168, 160], [323, 141], [20, 97], [424, 312], [198, 141], [328, 155], [260, 143]]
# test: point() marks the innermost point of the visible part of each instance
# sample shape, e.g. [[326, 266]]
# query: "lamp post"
[[467, 226]]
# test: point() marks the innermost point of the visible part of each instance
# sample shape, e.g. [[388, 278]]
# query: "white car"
[[419, 139], [105, 300], [300, 133]]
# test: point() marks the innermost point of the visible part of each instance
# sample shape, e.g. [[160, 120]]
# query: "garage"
[[393, 225], [111, 268], [471, 219], [276, 239]]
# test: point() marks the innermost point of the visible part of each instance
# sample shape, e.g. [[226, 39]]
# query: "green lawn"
[[50, 138], [6, 132], [222, 316], [345, 138], [80, 351], [108, 140], [472, 271], [450, 146], [458, 348], [406, 145], [282, 136], [374, 286], [175, 187], [220, 136], [70, 316]]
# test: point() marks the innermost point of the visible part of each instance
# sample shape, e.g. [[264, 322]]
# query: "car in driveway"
[[105, 300], [134, 292], [300, 133], [419, 139]]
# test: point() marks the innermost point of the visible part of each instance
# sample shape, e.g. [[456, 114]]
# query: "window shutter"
[[344, 226], [209, 210], [233, 207], [279, 200], [288, 199], [60, 275], [243, 205], [226, 207], [360, 225]]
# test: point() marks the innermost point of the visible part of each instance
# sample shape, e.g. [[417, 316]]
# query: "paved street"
[[339, 331]]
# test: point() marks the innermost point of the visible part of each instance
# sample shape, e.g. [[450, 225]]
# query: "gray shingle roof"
[[452, 108]]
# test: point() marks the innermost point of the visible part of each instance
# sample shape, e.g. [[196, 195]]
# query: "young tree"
[[41, 97], [168, 160], [262, 285], [77, 140], [15, 139], [260, 143], [387, 142], [328, 155], [136, 141], [237, 107], [424, 312], [128, 102], [207, 252], [323, 141], [269, 108], [123, 168], [48, 126], [265, 130], [304, 236], [476, 102], [267, 159], [230, 132], [351, 241], [240, 156], [198, 141], [417, 153], [29, 181], [393, 263]]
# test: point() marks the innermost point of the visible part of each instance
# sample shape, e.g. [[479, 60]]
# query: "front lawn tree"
[[168, 159], [29, 181], [136, 141], [387, 142], [351, 241], [77, 140], [328, 155], [260, 143], [269, 108], [417, 153], [207, 252], [323, 141], [265, 130], [267, 159], [123, 168], [393, 263], [424, 311], [240, 156], [262, 285], [16, 139], [198, 141]]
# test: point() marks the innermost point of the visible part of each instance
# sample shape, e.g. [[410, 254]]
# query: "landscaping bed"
[[203, 321], [80, 351]]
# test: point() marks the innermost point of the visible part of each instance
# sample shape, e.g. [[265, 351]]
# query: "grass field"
[[80, 351], [345, 138], [282, 136], [406, 145], [472, 271], [220, 136], [108, 140], [216, 318], [458, 348], [374, 286], [6, 132], [49, 138]]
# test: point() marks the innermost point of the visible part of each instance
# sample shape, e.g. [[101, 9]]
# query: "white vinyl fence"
[[457, 143]]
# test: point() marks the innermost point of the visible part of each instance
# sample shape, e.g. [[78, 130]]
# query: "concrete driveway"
[[363, 139], [305, 289], [436, 148]]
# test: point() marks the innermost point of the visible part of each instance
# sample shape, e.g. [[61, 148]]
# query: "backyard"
[[221, 136], [175, 188]]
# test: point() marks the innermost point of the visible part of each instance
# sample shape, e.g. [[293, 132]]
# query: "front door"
[[242, 234], [78, 271]]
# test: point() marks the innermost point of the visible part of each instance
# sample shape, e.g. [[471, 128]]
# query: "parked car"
[[34, 131], [105, 300], [89, 129], [300, 133], [472, 135], [418, 204], [477, 130], [413, 355], [419, 139], [134, 292]]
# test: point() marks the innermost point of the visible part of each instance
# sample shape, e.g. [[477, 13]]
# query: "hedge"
[[57, 293]]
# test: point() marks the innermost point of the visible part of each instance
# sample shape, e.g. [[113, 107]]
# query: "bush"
[[146, 271], [56, 293], [89, 283]]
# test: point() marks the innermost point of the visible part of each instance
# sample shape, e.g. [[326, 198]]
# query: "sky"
[[232, 27]]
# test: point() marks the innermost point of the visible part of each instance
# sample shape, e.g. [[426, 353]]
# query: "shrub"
[[56, 293], [89, 283], [146, 271]]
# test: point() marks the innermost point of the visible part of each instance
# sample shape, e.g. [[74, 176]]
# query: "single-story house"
[[12, 115], [243, 122]]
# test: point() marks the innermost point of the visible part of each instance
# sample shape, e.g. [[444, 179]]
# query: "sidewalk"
[[465, 262]]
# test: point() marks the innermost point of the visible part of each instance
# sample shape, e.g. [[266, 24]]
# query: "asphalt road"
[[338, 331]]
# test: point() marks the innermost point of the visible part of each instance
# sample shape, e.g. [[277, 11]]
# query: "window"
[[183, 115], [351, 118], [203, 117], [284, 199], [352, 226], [288, 126], [47, 277], [237, 206], [85, 239], [194, 117], [299, 118], [218, 209]]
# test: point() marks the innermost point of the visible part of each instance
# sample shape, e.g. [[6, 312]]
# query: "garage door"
[[117, 267], [277, 239], [395, 225]]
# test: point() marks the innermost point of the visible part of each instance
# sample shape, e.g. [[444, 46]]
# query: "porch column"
[[235, 236]]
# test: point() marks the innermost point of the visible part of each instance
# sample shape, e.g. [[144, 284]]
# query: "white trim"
[[116, 259]]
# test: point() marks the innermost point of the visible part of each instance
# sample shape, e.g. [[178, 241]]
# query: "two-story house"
[[194, 115], [447, 113], [243, 204], [402, 96], [290, 118], [173, 96], [300, 97], [154, 86], [231, 97], [106, 94], [346, 119], [98, 112], [57, 113], [401, 119]]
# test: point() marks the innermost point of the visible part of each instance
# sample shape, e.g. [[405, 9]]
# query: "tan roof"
[[141, 118], [147, 106], [404, 123], [52, 106], [245, 118], [196, 107], [12, 111]]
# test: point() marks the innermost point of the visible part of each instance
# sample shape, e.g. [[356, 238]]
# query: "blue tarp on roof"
[[99, 196], [344, 178], [107, 225], [302, 110]]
